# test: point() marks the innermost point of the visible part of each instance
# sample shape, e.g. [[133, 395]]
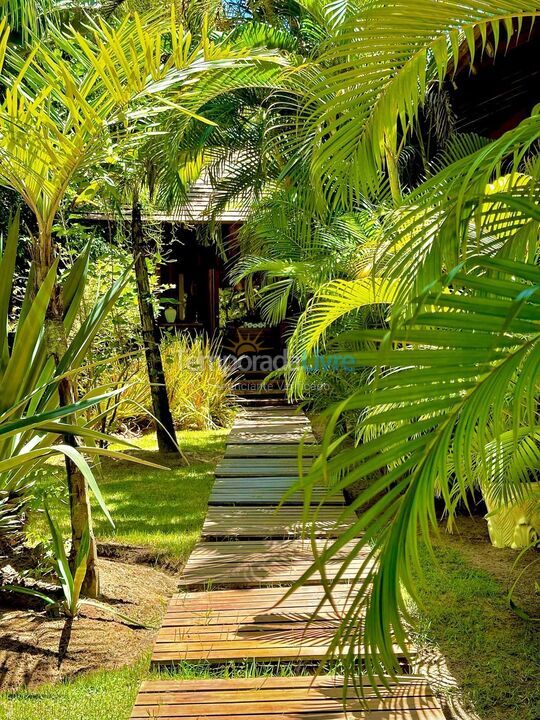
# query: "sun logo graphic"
[[246, 342]]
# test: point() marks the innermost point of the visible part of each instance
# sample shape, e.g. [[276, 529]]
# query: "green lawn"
[[493, 653], [107, 695], [161, 510]]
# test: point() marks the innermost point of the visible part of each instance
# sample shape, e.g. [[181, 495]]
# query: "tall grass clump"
[[200, 386]]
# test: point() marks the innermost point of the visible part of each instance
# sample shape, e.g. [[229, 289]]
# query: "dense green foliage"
[[200, 384], [434, 302]]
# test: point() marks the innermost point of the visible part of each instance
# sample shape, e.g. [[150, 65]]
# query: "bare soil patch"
[[30, 641]]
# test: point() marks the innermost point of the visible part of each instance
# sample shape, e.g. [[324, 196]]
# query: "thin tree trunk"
[[165, 431], [79, 498]]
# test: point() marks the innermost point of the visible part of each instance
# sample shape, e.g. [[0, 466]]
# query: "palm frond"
[[331, 303], [461, 210], [374, 74], [443, 383]]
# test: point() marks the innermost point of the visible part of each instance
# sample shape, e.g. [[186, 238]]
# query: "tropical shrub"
[[34, 426], [70, 580], [201, 383]]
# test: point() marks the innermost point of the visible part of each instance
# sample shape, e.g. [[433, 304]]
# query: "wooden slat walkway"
[[276, 426], [218, 626], [233, 605], [258, 475], [271, 522], [270, 436], [261, 562], [287, 698], [271, 426], [254, 624]]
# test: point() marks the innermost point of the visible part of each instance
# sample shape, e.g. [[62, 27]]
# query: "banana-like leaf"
[[33, 421], [118, 455], [28, 591], [12, 382], [82, 341], [73, 287], [81, 563], [7, 268]]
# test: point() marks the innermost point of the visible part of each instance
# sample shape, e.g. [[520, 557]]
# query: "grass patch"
[[491, 652], [159, 510], [97, 696], [244, 669]]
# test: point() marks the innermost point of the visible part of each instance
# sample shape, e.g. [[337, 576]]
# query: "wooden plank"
[[266, 491], [256, 624], [290, 698], [277, 451], [260, 563], [407, 685], [271, 412], [306, 598], [261, 463], [268, 421], [269, 522], [271, 426], [265, 437], [276, 429], [246, 469], [265, 467]]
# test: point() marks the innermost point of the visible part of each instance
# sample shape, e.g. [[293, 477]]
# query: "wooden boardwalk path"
[[259, 563], [266, 491], [233, 604]]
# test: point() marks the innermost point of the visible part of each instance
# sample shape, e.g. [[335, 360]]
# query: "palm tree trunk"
[[166, 435], [79, 497]]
